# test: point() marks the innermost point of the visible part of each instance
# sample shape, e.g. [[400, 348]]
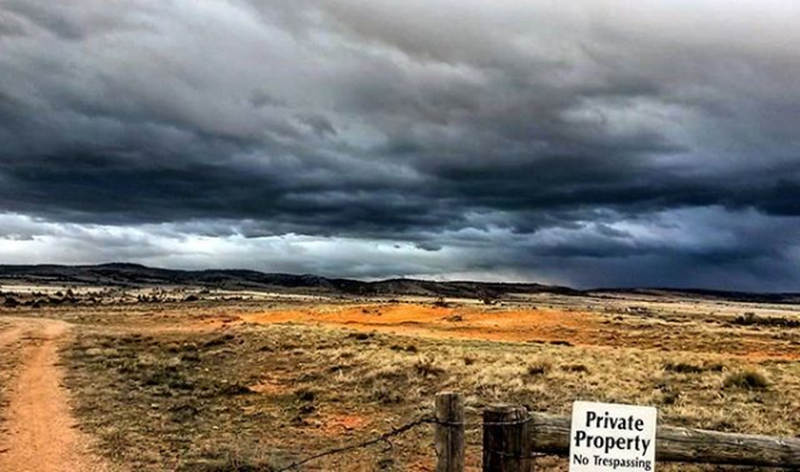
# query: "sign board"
[[607, 437]]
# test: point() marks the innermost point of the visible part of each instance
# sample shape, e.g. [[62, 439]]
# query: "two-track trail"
[[39, 433]]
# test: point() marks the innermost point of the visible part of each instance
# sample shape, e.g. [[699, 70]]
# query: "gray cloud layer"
[[595, 143]]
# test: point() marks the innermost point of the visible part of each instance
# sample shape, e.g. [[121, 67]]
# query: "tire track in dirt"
[[40, 433]]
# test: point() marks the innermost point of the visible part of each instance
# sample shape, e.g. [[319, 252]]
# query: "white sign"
[[606, 437]]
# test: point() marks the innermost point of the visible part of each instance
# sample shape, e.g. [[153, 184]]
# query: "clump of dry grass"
[[386, 394], [689, 368], [575, 368], [407, 348], [747, 380], [427, 367], [539, 368], [683, 368]]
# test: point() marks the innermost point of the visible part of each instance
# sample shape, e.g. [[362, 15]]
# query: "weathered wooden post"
[[506, 439], [450, 428]]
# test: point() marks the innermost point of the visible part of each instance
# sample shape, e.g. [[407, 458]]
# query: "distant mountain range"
[[134, 275]]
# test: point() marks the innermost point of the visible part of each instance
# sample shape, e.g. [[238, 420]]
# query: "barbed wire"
[[427, 418], [385, 437], [468, 424]]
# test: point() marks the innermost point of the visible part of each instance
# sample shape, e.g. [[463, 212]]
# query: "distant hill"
[[134, 275], [745, 297]]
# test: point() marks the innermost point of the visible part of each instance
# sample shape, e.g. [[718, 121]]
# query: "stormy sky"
[[587, 143]]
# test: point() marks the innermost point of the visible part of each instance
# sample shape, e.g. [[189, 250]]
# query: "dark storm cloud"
[[547, 130]]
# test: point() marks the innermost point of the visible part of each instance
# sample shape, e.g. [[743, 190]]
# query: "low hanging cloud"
[[594, 144]]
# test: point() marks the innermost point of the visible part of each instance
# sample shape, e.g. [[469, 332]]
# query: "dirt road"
[[40, 433]]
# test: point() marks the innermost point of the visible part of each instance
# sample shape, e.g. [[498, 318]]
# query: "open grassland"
[[235, 385]]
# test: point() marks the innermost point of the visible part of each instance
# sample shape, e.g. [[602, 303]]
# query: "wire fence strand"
[[385, 437]]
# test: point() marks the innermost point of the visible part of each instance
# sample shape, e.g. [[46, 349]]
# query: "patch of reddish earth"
[[40, 434], [445, 323], [529, 325], [340, 424]]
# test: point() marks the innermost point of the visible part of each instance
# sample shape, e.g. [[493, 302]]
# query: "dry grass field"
[[228, 383], [8, 359]]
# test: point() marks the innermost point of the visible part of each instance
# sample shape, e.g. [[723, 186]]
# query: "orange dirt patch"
[[442, 322], [580, 328], [340, 424]]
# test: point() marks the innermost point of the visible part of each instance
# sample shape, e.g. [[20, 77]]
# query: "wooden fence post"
[[506, 439], [450, 428]]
